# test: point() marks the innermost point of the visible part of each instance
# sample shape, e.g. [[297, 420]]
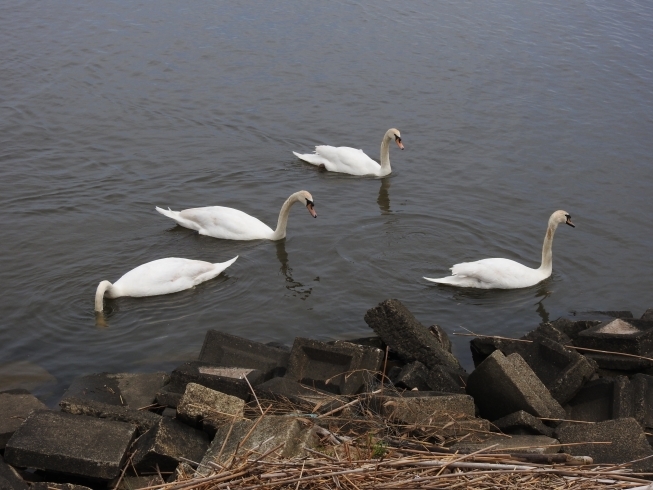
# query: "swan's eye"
[[397, 139], [309, 202], [567, 216]]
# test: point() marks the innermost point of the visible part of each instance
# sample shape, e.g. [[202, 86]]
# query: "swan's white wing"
[[228, 223], [347, 160], [162, 276], [342, 159], [496, 273]]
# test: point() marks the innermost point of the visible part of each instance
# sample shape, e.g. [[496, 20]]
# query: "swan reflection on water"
[[508, 297], [384, 196], [297, 288]]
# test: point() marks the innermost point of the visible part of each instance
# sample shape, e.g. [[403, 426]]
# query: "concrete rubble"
[[547, 392]]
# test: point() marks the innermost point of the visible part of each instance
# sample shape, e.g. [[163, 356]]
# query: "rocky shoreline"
[[570, 392]]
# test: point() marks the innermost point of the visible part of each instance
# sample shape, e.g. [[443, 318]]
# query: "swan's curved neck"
[[547, 249], [385, 155], [99, 295], [282, 222]]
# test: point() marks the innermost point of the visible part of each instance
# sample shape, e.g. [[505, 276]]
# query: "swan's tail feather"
[[176, 215], [442, 280], [227, 263], [310, 158], [218, 267], [168, 212]]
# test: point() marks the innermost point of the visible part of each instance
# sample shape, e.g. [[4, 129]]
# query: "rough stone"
[[441, 336], [482, 347], [534, 444], [642, 388], [451, 415], [303, 397], [374, 341], [223, 349], [66, 443], [125, 389], [14, 408], [571, 328], [602, 399], [341, 368], [522, 423], [143, 420], [169, 398], [502, 385], [547, 331], [166, 443], [208, 409], [399, 329], [9, 478], [628, 442], [229, 380], [619, 335], [422, 409], [648, 315], [270, 431], [563, 371], [417, 376]]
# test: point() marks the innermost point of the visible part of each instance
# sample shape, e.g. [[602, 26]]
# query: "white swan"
[[352, 161], [505, 273], [161, 276], [231, 224]]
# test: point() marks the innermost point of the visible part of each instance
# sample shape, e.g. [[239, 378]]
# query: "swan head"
[[394, 133], [560, 217], [305, 198]]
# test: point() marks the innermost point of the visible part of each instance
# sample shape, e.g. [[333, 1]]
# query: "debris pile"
[[570, 404]]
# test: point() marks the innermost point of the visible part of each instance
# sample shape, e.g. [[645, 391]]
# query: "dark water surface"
[[508, 111]]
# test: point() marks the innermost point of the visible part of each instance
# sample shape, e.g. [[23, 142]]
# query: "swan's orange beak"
[[399, 143], [570, 223], [311, 209]]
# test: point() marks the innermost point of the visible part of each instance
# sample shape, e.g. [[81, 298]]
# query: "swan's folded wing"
[[347, 160], [497, 272]]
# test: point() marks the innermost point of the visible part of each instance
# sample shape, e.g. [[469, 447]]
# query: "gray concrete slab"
[[342, 368], [57, 441], [223, 349], [166, 444], [626, 437], [14, 409], [502, 385]]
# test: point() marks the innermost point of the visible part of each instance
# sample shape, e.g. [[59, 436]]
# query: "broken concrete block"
[[602, 399], [648, 315], [169, 398], [166, 444], [482, 347], [143, 420], [571, 328], [269, 433], [10, 479], [516, 444], [417, 376], [563, 371], [125, 389], [208, 409], [341, 368], [229, 380], [14, 409], [619, 335], [642, 388], [502, 385], [449, 414], [222, 349], [628, 442], [58, 441], [522, 423], [399, 329], [441, 336], [374, 341], [302, 397]]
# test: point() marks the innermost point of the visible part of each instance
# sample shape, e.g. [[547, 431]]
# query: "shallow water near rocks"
[[508, 112]]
